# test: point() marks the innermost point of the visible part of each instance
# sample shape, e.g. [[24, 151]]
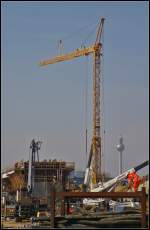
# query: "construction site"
[[43, 194]]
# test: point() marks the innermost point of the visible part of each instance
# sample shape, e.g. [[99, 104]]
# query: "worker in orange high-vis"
[[136, 183], [134, 180]]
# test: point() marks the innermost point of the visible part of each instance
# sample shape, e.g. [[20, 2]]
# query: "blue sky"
[[49, 103]]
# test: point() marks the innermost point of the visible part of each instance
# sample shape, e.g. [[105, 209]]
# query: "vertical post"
[[67, 206], [53, 207], [120, 163], [62, 206], [5, 207], [143, 207], [20, 194]]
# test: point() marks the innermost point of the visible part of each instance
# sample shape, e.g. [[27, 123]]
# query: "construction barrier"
[[65, 196]]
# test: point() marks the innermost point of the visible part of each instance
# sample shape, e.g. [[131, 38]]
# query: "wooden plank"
[[101, 194]]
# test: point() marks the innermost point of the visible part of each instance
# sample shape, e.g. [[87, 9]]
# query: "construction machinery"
[[93, 172], [111, 184], [34, 147]]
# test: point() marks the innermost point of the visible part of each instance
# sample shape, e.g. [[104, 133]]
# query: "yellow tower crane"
[[95, 49]]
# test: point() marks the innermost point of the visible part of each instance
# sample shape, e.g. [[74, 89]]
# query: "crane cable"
[[78, 31], [60, 43], [89, 35]]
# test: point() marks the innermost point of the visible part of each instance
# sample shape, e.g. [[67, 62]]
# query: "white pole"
[[3, 200], [120, 163], [17, 196]]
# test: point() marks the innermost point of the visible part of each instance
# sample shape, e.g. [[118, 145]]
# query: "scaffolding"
[[46, 172]]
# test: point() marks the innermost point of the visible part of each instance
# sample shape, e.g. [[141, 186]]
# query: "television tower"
[[120, 148]]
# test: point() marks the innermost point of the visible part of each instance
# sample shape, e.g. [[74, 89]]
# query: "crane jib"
[[76, 53]]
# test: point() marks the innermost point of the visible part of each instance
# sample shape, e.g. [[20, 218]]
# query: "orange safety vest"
[[135, 179]]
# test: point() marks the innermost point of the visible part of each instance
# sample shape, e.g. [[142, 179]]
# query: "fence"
[[66, 195]]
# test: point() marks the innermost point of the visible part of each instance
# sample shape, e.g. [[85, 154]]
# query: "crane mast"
[[96, 116], [96, 105], [95, 50]]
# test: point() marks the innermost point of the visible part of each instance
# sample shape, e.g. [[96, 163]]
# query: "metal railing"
[[66, 195]]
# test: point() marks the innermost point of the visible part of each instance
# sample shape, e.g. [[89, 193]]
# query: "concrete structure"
[[46, 172]]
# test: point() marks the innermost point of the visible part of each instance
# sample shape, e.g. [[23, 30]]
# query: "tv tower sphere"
[[120, 148]]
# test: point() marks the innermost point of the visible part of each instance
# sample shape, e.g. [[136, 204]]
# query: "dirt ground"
[[14, 225]]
